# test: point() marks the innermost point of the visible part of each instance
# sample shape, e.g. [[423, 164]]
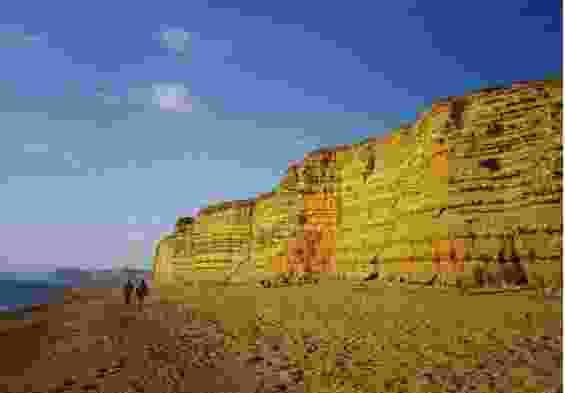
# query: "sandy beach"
[[95, 343]]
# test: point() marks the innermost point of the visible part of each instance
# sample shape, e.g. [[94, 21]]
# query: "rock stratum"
[[473, 175]]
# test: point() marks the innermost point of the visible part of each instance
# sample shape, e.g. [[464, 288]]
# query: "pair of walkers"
[[141, 291]]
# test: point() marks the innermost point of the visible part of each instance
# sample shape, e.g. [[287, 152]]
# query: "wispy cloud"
[[167, 97], [174, 38], [172, 97]]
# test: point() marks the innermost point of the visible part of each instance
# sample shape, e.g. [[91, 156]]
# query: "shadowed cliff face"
[[475, 175]]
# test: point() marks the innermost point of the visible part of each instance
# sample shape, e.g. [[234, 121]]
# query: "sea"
[[23, 289], [16, 293]]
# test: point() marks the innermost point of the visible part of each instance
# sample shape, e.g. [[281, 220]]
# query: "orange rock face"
[[440, 108], [320, 213], [448, 256], [409, 264], [312, 253]]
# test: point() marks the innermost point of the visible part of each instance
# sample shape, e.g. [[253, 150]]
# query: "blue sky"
[[116, 117]]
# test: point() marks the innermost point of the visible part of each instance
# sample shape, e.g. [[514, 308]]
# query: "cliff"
[[472, 175]]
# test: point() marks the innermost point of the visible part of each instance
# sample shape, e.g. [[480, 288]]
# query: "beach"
[[94, 343]]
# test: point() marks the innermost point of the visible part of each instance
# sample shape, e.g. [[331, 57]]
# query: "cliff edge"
[[472, 176]]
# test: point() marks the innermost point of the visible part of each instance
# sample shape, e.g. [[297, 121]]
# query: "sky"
[[117, 117]]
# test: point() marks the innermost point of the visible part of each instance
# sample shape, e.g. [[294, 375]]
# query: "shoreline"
[[48, 292], [22, 313], [93, 340]]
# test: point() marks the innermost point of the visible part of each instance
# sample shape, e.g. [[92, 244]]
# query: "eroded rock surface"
[[473, 175]]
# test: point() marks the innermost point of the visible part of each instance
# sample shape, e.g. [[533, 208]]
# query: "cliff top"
[[236, 204], [450, 103]]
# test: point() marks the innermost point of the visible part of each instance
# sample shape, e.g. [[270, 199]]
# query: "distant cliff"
[[473, 175]]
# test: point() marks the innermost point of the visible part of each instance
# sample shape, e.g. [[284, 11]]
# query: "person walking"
[[141, 291], [128, 289]]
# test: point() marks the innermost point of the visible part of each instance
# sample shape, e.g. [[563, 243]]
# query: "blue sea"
[[17, 293], [18, 289]]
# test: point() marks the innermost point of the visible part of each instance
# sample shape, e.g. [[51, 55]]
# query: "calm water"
[[17, 290], [17, 293]]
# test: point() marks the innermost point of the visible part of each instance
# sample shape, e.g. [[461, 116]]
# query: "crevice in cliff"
[[458, 105]]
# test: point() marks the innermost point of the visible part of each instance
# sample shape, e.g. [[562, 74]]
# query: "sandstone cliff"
[[472, 175]]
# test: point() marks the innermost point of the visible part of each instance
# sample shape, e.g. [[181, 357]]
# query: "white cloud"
[[174, 38], [167, 96], [172, 97], [36, 148]]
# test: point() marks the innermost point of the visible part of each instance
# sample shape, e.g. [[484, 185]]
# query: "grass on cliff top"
[[388, 332]]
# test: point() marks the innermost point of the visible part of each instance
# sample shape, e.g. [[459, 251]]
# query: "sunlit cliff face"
[[392, 200]]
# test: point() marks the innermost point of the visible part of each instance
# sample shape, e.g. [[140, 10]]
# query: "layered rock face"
[[313, 249], [163, 261], [277, 219], [505, 172], [474, 175], [221, 235]]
